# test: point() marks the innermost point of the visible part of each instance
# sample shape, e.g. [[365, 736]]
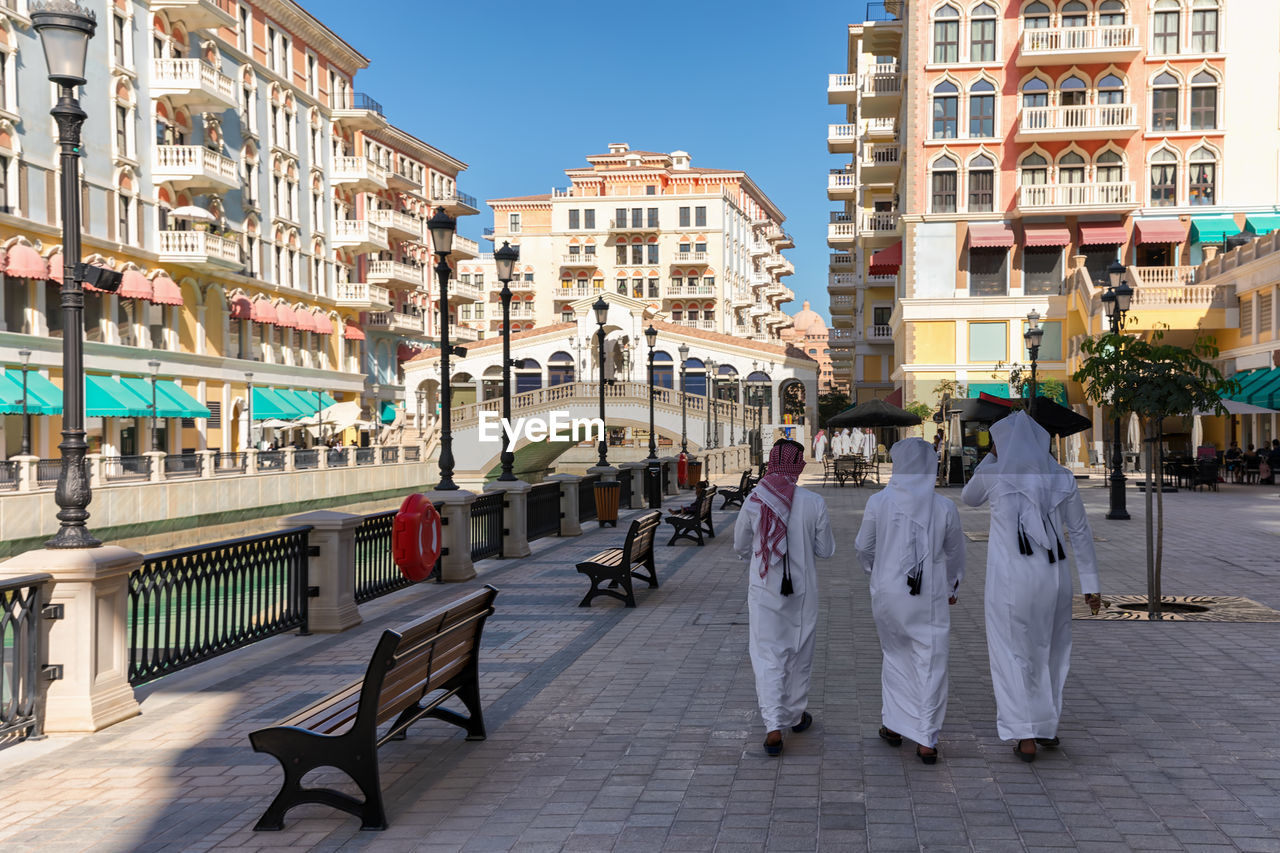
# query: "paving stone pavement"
[[636, 730]]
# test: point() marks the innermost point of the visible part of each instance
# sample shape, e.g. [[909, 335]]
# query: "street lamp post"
[[155, 428], [442, 227], [684, 424], [421, 394], [376, 416], [25, 355], [710, 367], [1033, 336], [505, 260], [248, 394], [1115, 302], [651, 336], [65, 28], [601, 310]]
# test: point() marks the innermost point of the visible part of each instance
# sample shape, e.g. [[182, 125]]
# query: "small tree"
[[1154, 381], [923, 411], [1020, 381], [830, 404]]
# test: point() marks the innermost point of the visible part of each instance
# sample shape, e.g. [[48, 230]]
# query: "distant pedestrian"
[[780, 530], [912, 546]]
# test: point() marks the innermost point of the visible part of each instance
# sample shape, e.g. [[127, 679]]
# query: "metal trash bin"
[[607, 493], [654, 477]]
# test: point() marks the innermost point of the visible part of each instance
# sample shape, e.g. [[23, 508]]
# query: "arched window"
[[1166, 26], [1110, 168], [1074, 92], [1034, 170], [1204, 177], [982, 180], [982, 109], [943, 184], [1164, 178], [1111, 91], [1111, 13], [1204, 101], [1071, 178], [1075, 14], [946, 99], [1204, 26], [1035, 93], [1164, 102], [982, 34], [946, 35], [1035, 16]]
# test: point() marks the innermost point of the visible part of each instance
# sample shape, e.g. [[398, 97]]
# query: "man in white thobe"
[[781, 529], [869, 444], [912, 545], [1034, 501], [820, 445]]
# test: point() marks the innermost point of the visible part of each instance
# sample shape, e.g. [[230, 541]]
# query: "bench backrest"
[[744, 484], [639, 544], [420, 657], [704, 511]]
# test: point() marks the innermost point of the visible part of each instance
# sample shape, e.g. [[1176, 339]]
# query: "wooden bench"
[[735, 497], [413, 671], [619, 565], [690, 525]]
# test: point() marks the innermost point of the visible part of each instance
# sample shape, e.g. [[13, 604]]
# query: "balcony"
[[459, 292], [680, 290], [840, 338], [579, 260], [1093, 121], [760, 248], [195, 168], [402, 225], [741, 300], [359, 235], [773, 262], [760, 279], [622, 227], [883, 78], [577, 291], [197, 14], [465, 248], [360, 112], [778, 318], [842, 304], [880, 334], [842, 232], [462, 334], [1078, 45], [1196, 296], [199, 249], [698, 258], [194, 84], [1064, 197], [395, 323], [359, 173], [455, 203], [1162, 276], [880, 161], [842, 184], [841, 260], [880, 223], [842, 89], [842, 282], [759, 309], [363, 297], [786, 268], [842, 138], [396, 273]]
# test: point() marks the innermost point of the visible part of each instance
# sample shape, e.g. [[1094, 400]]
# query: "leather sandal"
[[773, 750], [1028, 757], [927, 757], [1050, 742], [806, 720], [890, 737]]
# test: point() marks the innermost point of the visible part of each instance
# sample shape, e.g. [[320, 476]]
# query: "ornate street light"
[[1115, 302], [25, 355], [442, 227], [601, 309], [376, 390], [421, 394], [65, 28], [248, 381], [155, 429], [710, 367], [505, 260], [684, 423], [651, 336], [1033, 335]]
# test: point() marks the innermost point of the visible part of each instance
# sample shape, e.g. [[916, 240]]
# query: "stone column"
[[570, 524], [157, 464], [638, 496], [27, 473], [332, 571], [206, 463], [90, 642], [351, 456], [251, 461], [288, 458], [455, 515], [515, 518], [672, 464], [322, 456], [607, 473]]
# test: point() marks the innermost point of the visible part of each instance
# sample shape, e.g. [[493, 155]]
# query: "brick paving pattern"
[[636, 730]]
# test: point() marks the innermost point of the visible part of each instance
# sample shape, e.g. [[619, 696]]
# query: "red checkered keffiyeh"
[[774, 494]]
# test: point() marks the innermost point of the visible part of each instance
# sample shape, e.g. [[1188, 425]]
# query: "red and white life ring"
[[416, 537]]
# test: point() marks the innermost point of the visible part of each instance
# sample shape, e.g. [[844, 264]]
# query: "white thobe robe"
[[820, 447], [913, 629], [782, 626], [1028, 608], [869, 444]]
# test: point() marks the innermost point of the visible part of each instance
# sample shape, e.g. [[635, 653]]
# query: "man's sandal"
[[890, 737]]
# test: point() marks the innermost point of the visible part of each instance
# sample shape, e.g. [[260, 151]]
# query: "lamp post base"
[[1118, 511]]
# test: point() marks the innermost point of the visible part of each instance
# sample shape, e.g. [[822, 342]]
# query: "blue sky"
[[521, 91]]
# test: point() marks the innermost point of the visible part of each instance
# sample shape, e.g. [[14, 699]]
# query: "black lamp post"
[[421, 394], [155, 427], [651, 336], [601, 309], [711, 372], [376, 391], [25, 355], [65, 28], [1115, 302], [1033, 335], [442, 227], [742, 406], [248, 381], [505, 260], [684, 423]]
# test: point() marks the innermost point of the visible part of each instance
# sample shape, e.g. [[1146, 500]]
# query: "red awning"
[[305, 319], [887, 261], [1162, 231], [285, 318], [323, 325], [55, 269], [165, 291], [241, 307], [352, 332], [1046, 235], [263, 312], [25, 262], [1102, 234], [134, 285], [988, 235], [895, 399]]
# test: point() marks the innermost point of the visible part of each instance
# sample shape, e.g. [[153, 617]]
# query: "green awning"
[[1213, 229], [302, 408], [43, 397], [190, 406], [1247, 381], [388, 412], [165, 408], [995, 389], [107, 398], [1262, 223], [269, 405], [11, 397], [1266, 391]]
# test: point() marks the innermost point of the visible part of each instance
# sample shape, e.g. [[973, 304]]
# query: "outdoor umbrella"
[[190, 211], [873, 413], [1056, 419], [1235, 407]]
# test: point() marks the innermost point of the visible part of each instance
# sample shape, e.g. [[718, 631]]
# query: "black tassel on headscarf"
[[1024, 543], [786, 588], [1062, 555]]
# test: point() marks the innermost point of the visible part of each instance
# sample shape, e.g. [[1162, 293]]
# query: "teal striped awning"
[[190, 406], [106, 398], [269, 405], [995, 389], [43, 397], [1262, 223], [1213, 229], [388, 413], [302, 408], [1259, 387]]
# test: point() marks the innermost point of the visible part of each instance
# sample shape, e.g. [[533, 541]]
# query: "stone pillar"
[[455, 515], [607, 473], [673, 470], [351, 456], [332, 571], [638, 496], [288, 458], [251, 461], [515, 517], [206, 463], [322, 456], [1210, 252], [157, 464], [27, 473], [570, 524], [90, 642]]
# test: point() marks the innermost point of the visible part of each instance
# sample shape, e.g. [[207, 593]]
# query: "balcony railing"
[[840, 337], [691, 258], [633, 225], [454, 199], [874, 156], [1079, 39], [358, 101], [882, 82], [1184, 296], [363, 294], [465, 247], [880, 221], [178, 77], [842, 88], [841, 259], [396, 321], [195, 165], [1162, 276], [880, 332], [359, 232], [198, 246], [359, 170], [396, 271], [394, 220], [842, 302], [578, 260], [1075, 120], [842, 133], [843, 280], [1039, 196]]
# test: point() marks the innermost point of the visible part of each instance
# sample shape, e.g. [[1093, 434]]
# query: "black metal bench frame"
[[619, 565], [439, 665], [691, 525], [735, 497]]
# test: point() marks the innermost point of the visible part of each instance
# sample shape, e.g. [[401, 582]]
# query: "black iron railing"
[[337, 457], [624, 488], [303, 459], [587, 497], [271, 460], [120, 469], [542, 512], [8, 475], [47, 471], [361, 101], [230, 463], [22, 655], [390, 454], [486, 526], [376, 572], [193, 604], [182, 465], [365, 455], [412, 453]]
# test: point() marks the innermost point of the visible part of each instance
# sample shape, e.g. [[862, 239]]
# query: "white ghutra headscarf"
[[910, 494], [1028, 476]]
